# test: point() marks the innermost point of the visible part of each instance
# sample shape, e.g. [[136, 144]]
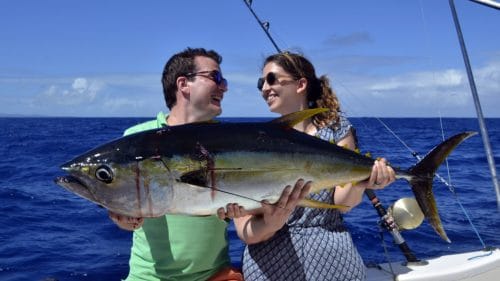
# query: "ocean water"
[[48, 233]]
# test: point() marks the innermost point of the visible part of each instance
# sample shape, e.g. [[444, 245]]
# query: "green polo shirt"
[[177, 247]]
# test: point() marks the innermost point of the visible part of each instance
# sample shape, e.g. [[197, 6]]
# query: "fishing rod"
[[387, 221], [388, 224], [263, 25]]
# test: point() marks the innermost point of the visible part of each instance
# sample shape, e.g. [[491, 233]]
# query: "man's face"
[[205, 95]]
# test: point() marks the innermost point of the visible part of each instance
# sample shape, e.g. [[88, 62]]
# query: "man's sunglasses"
[[213, 75], [271, 78]]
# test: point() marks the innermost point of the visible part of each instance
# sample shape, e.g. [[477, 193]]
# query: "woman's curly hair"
[[319, 91]]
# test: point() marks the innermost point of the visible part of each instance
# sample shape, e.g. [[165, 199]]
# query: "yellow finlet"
[[292, 119], [320, 205]]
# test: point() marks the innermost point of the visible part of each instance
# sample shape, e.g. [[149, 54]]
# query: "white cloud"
[[80, 91], [411, 94], [110, 95], [488, 78], [420, 80], [424, 93]]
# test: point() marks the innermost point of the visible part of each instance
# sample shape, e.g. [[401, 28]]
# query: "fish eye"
[[104, 174]]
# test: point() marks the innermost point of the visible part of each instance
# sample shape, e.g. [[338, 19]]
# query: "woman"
[[304, 243]]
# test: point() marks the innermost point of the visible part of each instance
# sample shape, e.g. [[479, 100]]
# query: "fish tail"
[[422, 175]]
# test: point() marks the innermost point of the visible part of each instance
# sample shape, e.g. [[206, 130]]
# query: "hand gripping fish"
[[197, 168]]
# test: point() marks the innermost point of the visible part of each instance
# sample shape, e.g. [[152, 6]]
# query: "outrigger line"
[[385, 218]]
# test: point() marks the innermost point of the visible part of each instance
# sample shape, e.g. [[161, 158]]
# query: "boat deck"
[[473, 266]]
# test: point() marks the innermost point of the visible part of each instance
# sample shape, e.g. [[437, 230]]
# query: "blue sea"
[[48, 233]]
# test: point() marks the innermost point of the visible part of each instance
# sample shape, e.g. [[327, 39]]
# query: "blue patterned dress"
[[314, 244]]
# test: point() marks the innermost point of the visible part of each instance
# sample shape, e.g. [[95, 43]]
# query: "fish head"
[[120, 180]]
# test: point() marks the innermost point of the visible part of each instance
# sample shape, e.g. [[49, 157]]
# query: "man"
[[179, 247]]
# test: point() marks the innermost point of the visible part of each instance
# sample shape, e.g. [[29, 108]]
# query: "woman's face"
[[280, 90]]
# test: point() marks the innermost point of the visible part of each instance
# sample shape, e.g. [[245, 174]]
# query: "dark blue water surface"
[[50, 233]]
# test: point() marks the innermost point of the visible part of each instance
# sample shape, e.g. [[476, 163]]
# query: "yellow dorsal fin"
[[320, 205], [292, 119]]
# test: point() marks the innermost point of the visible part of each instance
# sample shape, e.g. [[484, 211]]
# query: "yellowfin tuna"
[[197, 168]]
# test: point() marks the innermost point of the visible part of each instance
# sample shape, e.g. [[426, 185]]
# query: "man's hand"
[[232, 211]]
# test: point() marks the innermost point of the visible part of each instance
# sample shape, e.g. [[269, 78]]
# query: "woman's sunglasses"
[[271, 78], [213, 75]]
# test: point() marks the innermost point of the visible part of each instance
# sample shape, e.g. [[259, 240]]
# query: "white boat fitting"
[[483, 265]]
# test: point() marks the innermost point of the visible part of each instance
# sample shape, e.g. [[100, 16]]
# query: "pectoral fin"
[[196, 177]]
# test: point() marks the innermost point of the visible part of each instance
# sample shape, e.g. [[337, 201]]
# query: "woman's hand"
[[273, 214], [276, 215], [381, 176], [267, 220]]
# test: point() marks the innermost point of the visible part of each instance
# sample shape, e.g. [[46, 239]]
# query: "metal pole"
[[489, 3], [482, 125]]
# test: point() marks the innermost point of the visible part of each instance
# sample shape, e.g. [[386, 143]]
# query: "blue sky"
[[385, 58]]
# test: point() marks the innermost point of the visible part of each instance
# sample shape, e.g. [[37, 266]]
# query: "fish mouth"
[[67, 180], [73, 184]]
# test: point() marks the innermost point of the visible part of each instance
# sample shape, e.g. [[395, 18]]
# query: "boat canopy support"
[[479, 111]]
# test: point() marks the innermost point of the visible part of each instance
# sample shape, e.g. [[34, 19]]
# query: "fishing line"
[[234, 194], [245, 197], [381, 232], [452, 190], [443, 138]]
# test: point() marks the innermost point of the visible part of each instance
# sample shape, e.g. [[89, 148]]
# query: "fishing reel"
[[406, 213]]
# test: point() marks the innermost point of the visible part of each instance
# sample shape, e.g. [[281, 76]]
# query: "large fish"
[[197, 168]]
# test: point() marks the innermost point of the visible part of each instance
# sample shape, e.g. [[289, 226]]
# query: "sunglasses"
[[271, 78], [213, 75]]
